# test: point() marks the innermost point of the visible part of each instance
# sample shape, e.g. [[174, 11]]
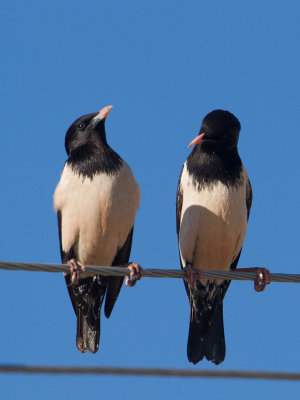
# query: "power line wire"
[[149, 273], [158, 372]]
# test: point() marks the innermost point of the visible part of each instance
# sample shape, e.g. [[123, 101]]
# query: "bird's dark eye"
[[81, 126]]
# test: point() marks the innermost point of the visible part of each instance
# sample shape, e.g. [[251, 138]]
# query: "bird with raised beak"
[[96, 201]]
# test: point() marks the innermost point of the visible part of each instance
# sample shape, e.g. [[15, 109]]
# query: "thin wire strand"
[[149, 273], [158, 372]]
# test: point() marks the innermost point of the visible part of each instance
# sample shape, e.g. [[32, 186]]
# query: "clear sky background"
[[163, 65]]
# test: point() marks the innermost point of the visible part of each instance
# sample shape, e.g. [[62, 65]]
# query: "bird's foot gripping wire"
[[136, 273], [263, 277], [75, 268], [191, 275]]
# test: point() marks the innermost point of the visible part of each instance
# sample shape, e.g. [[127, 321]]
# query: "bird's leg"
[[263, 277], [191, 275], [75, 268], [136, 273]]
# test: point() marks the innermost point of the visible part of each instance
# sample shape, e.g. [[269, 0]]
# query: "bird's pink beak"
[[103, 113], [197, 140]]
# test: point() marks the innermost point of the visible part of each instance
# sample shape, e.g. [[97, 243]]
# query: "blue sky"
[[164, 66]]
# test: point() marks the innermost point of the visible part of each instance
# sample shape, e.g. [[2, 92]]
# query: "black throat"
[[88, 160], [208, 166]]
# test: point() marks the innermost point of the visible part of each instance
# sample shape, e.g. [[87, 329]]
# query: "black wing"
[[65, 257], [86, 297], [179, 199], [59, 235], [249, 196], [114, 283], [70, 254], [248, 204]]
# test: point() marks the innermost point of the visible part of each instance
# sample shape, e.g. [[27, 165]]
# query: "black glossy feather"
[[206, 332], [114, 284], [178, 205], [208, 168]]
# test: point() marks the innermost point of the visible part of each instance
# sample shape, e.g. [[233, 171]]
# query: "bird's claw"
[[136, 273], [263, 279], [191, 275], [75, 269]]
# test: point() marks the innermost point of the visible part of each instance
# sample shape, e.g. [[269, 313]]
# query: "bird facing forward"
[[96, 201], [214, 198]]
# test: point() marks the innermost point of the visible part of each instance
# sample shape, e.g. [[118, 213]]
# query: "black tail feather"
[[87, 298], [87, 338], [211, 345], [206, 333], [195, 346], [214, 343]]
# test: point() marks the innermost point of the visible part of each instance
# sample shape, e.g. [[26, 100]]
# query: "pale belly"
[[97, 215], [213, 225]]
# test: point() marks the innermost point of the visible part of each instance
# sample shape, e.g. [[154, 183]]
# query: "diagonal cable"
[[159, 372], [149, 273]]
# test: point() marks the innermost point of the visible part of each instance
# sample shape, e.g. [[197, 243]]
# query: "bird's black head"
[[87, 133], [219, 131]]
